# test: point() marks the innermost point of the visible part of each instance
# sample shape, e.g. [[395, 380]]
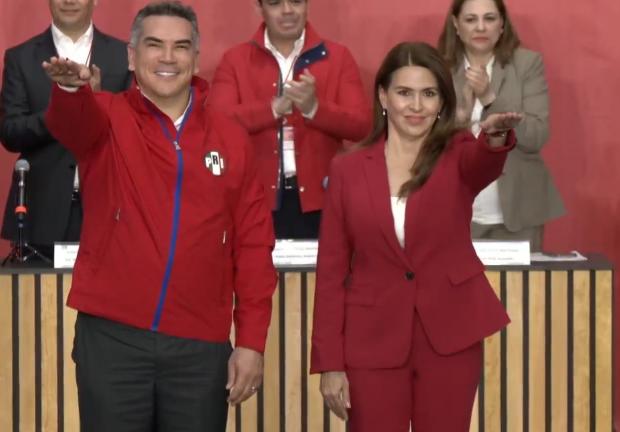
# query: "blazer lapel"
[[497, 79], [45, 45], [379, 194], [458, 78], [44, 49], [99, 56]]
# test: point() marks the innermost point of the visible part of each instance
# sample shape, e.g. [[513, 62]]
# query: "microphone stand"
[[21, 252]]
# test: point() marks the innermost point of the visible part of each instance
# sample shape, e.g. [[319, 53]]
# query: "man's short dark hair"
[[165, 8]]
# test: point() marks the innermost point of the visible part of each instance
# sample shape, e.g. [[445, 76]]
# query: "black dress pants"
[[134, 380], [290, 223]]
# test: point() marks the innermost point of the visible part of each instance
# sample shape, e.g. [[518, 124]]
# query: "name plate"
[[492, 252], [65, 254], [295, 252]]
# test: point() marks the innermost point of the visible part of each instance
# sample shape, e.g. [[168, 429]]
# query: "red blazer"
[[166, 242], [244, 85], [368, 287]]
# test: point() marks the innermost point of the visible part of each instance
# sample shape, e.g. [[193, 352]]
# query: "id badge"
[[288, 141]]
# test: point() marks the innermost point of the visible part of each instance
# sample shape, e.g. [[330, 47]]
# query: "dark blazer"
[[23, 101], [528, 196], [369, 288]]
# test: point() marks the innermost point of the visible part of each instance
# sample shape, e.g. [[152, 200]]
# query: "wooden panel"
[[271, 380], [249, 415], [514, 353], [292, 365], [537, 349], [474, 425], [26, 354], [231, 423], [336, 425], [581, 351], [71, 413], [6, 353], [604, 351], [315, 400], [492, 370], [583, 315], [559, 351], [49, 354]]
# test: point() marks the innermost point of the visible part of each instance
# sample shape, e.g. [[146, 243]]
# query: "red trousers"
[[431, 392]]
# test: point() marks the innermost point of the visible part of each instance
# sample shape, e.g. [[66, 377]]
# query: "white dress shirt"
[[399, 205], [286, 65], [486, 209]]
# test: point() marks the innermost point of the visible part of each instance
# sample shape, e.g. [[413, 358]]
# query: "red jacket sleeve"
[[480, 163], [224, 96], [253, 242], [348, 117], [333, 267], [76, 119]]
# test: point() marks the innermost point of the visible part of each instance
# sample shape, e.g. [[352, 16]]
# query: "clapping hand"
[[477, 78], [303, 92]]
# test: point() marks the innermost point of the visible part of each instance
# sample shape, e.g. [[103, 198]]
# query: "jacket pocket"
[[463, 273]]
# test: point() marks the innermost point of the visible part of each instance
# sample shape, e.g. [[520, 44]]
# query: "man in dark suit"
[[54, 209]]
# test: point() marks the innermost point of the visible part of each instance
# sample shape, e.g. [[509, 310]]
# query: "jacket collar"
[[144, 106]]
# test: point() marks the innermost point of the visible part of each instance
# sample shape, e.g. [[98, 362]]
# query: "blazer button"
[[409, 275]]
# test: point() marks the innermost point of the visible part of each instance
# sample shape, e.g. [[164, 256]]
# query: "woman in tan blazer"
[[493, 74]]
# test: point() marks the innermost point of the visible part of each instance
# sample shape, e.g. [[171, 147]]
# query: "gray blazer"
[[527, 194]]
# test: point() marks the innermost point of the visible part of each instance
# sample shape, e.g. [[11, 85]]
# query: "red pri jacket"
[[248, 78], [369, 288], [166, 242]]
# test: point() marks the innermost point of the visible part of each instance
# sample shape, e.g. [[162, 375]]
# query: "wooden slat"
[[271, 379], [6, 353], [315, 400], [537, 349], [604, 351], [581, 351], [249, 414], [492, 370], [231, 423], [49, 354], [514, 354], [474, 425], [336, 425], [71, 412], [292, 364], [26, 354], [559, 351]]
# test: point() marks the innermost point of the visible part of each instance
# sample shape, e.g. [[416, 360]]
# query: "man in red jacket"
[[300, 97], [175, 225]]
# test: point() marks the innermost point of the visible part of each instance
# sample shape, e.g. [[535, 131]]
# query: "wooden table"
[[550, 371]]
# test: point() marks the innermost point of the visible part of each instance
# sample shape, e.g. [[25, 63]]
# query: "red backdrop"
[[582, 64]]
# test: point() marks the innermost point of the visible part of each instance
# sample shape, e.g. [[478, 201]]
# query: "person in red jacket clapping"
[[300, 97]]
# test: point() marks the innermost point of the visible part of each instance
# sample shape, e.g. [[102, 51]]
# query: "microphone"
[[21, 168]]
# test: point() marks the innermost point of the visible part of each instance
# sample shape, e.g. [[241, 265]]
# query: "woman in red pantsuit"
[[402, 304]]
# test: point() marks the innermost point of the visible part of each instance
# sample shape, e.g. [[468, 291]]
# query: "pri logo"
[[215, 163]]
